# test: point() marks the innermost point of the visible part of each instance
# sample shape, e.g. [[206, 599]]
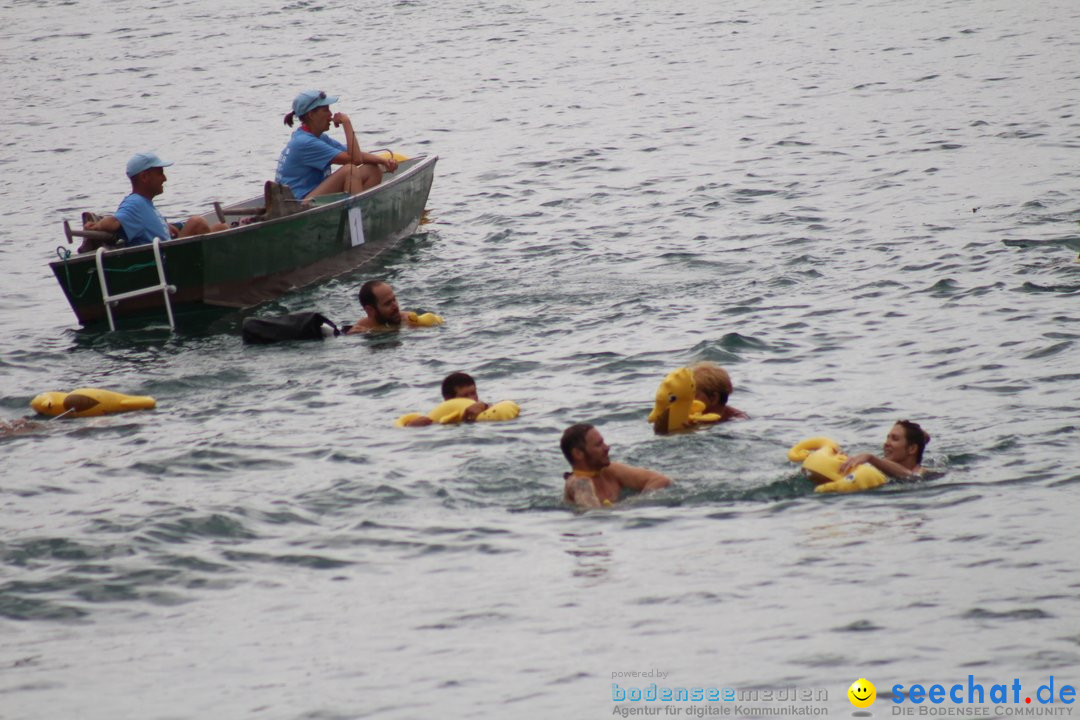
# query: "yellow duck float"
[[821, 459], [89, 402], [675, 408], [453, 411]]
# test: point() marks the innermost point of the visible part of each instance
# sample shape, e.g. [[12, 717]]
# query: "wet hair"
[[453, 381], [574, 437], [711, 379], [367, 293], [915, 436]]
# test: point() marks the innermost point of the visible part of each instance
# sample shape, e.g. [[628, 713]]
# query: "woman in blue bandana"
[[305, 162]]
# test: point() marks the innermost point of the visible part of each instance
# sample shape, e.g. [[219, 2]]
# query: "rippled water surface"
[[865, 211]]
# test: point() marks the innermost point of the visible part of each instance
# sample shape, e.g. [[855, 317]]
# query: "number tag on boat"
[[356, 226]]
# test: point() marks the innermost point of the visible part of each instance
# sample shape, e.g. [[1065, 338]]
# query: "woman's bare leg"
[[350, 179], [371, 175]]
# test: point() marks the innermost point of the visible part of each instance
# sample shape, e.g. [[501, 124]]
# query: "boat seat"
[[278, 201], [92, 239]]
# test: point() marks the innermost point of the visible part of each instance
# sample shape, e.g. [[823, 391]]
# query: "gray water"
[[865, 211]]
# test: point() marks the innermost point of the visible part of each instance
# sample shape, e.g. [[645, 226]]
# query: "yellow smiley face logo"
[[862, 693]]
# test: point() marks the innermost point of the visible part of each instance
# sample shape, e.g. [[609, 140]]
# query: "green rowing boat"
[[252, 262]]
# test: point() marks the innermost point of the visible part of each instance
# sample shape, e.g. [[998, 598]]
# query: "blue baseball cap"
[[144, 161], [308, 100]]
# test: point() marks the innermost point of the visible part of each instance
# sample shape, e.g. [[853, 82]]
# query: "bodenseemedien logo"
[[699, 701]]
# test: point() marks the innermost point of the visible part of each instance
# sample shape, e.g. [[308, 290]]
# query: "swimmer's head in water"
[[905, 443], [713, 385], [915, 436], [459, 385], [379, 302], [584, 447]]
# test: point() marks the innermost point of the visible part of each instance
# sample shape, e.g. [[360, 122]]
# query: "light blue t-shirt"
[[140, 221], [305, 161]]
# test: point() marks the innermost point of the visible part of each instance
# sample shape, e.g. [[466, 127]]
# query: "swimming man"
[[456, 385], [594, 481], [382, 311]]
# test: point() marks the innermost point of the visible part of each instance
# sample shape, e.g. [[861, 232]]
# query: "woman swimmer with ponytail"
[[902, 452]]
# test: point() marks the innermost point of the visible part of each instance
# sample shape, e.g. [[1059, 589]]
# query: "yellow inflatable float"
[[675, 408], [453, 411], [821, 459], [89, 402], [427, 319], [396, 157]]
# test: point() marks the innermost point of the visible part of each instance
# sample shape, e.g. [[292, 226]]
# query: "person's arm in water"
[[890, 468], [580, 491], [637, 478]]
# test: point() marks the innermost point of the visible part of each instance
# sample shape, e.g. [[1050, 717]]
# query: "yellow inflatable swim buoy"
[[821, 460], [453, 411], [799, 451], [675, 408], [396, 157], [500, 412], [426, 320], [90, 402]]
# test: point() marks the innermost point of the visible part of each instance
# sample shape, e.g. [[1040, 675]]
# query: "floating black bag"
[[294, 326]]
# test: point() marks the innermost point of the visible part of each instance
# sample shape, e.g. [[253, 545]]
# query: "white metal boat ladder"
[[163, 287]]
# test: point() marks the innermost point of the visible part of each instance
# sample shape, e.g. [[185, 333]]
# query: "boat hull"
[[251, 264]]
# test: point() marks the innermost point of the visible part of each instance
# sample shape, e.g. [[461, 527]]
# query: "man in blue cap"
[[304, 165], [137, 221]]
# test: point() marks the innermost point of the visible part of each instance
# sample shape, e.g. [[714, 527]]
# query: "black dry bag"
[[294, 326]]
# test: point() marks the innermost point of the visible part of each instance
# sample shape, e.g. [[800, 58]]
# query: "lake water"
[[865, 211]]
